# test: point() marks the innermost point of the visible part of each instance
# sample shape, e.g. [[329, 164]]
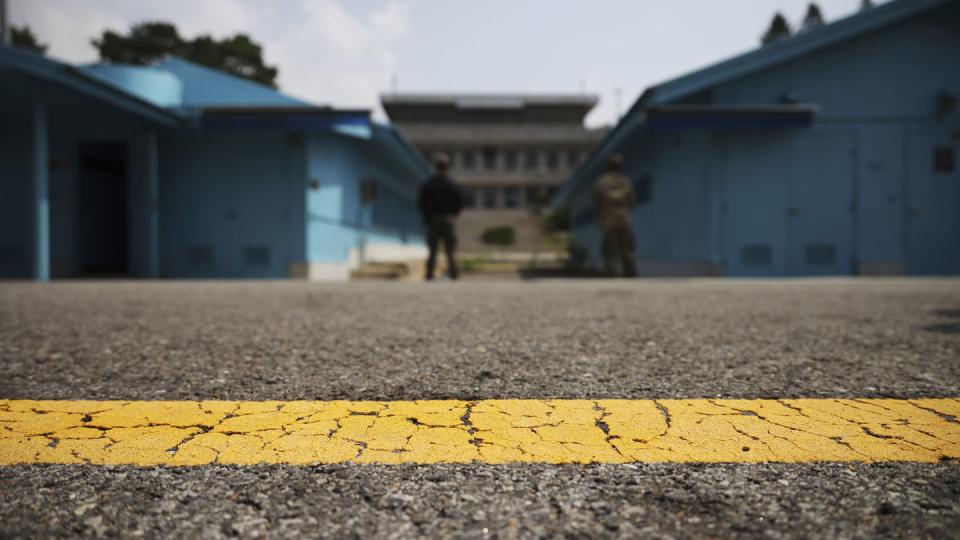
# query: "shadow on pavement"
[[944, 328]]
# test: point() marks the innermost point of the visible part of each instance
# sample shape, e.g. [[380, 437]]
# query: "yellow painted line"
[[490, 431]]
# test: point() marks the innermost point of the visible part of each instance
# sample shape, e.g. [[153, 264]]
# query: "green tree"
[[148, 42], [779, 30], [866, 4], [813, 18], [24, 37]]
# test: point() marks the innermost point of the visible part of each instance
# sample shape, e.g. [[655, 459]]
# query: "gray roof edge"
[[488, 98]]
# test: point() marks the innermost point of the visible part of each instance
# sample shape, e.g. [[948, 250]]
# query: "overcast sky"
[[345, 52]]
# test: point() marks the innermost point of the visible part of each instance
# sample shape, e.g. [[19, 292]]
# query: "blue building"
[[833, 152], [177, 170]]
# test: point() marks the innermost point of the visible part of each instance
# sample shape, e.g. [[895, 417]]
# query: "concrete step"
[[382, 271]]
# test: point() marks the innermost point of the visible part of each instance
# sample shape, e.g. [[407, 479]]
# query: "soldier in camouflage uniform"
[[613, 200]]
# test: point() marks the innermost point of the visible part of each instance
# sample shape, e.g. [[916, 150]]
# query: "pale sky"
[[346, 52]]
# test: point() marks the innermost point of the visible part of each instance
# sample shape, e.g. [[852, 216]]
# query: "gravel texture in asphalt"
[[484, 501], [569, 339], [556, 339]]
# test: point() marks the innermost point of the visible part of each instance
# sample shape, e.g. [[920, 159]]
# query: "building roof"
[[489, 101], [71, 78], [223, 101], [762, 58], [205, 87], [393, 140], [193, 87]]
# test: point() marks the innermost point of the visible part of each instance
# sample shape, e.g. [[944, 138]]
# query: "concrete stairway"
[[382, 271]]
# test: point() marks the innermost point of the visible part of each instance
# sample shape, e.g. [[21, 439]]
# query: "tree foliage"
[[813, 18], [24, 37], [866, 4], [150, 41], [779, 30]]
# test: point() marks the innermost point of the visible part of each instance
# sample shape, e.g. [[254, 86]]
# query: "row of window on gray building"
[[509, 159], [507, 197]]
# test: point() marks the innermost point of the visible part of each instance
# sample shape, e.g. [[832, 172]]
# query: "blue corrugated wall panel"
[[856, 192], [229, 204]]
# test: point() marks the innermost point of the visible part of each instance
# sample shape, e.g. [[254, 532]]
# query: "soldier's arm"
[[630, 194]]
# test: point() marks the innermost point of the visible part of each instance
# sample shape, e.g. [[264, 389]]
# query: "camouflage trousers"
[[618, 246], [440, 229]]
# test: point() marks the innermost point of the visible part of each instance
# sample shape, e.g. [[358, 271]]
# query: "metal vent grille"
[[757, 255], [11, 255], [200, 256], [256, 256], [821, 254]]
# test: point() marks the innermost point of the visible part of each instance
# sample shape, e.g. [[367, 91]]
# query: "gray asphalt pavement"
[[474, 340]]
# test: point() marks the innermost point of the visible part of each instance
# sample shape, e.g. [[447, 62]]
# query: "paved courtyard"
[[474, 341]]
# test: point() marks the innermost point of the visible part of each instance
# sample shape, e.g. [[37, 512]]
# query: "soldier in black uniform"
[[440, 202]]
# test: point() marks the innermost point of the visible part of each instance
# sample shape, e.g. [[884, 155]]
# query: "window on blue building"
[[643, 188], [944, 160], [392, 211]]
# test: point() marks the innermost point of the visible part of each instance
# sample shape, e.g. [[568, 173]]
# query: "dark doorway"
[[103, 200]]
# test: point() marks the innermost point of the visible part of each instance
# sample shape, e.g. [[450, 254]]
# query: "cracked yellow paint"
[[178, 433]]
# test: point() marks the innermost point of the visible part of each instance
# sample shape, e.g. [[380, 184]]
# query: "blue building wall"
[[229, 203], [144, 182], [338, 220], [240, 204], [232, 203], [855, 192], [67, 138], [677, 165], [15, 215]]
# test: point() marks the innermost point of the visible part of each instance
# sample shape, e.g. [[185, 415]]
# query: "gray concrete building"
[[510, 152]]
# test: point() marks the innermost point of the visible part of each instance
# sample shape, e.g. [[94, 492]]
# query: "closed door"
[[787, 204], [756, 189], [932, 202], [103, 223], [821, 211]]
